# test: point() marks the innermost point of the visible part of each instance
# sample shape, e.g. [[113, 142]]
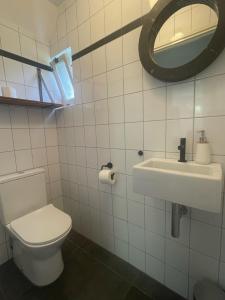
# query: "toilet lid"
[[42, 226]]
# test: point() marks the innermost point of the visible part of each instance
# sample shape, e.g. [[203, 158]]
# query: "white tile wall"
[[123, 109]]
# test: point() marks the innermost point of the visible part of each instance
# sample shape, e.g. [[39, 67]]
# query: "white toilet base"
[[40, 267]]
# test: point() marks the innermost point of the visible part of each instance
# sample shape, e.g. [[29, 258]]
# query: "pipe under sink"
[[178, 211]]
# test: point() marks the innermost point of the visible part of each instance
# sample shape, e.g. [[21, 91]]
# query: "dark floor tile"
[[2, 297], [135, 294], [121, 267], [86, 279], [68, 250], [13, 283], [78, 271], [155, 289], [34, 294], [78, 239], [105, 285]]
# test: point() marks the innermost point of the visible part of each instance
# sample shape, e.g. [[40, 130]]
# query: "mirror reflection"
[[185, 35]]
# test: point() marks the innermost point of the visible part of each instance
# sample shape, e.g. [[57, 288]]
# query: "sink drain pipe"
[[177, 212]]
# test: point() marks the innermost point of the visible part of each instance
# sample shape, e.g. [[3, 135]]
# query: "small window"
[[62, 66]]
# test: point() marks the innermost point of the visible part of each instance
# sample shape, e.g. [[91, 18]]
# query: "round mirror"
[[181, 38], [185, 35]]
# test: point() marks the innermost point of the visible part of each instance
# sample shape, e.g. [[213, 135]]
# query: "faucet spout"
[[182, 149]]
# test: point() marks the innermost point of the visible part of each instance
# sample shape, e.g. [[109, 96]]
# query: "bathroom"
[[112, 154]]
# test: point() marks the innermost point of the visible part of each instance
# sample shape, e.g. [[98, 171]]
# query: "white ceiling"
[[56, 2]]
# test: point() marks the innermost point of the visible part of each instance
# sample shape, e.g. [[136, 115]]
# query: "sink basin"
[[189, 184]]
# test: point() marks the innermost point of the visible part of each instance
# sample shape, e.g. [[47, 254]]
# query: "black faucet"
[[182, 149]]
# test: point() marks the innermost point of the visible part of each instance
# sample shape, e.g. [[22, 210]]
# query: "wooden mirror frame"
[[152, 24]]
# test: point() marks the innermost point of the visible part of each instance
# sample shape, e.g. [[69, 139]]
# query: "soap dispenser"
[[203, 155]]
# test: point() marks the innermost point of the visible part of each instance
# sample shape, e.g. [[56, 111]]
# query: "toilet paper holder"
[[108, 166]]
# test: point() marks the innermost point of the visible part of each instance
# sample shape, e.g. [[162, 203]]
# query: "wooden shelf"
[[26, 102]]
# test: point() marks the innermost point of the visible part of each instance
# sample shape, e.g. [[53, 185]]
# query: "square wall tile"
[[99, 61], [97, 26], [150, 82], [7, 163], [115, 82], [24, 160], [51, 137], [84, 34], [205, 239], [6, 141], [113, 18], [95, 5], [13, 71], [21, 139], [86, 66], [131, 11], [130, 46], [83, 10], [132, 78], [155, 268], [90, 136], [137, 237], [37, 138], [114, 57], [10, 40], [134, 135], [5, 121], [177, 256], [176, 281], [121, 229], [155, 245], [116, 109], [117, 136], [101, 112], [206, 90], [130, 193], [132, 158], [136, 213], [155, 104], [122, 249], [19, 117], [133, 107], [155, 220], [118, 159], [120, 207], [154, 135], [28, 47], [100, 87], [102, 133], [39, 157], [180, 101], [89, 114], [137, 258], [91, 158]]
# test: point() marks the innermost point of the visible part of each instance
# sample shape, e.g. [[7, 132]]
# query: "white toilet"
[[37, 230]]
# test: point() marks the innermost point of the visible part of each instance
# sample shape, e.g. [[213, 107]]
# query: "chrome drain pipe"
[[178, 211]]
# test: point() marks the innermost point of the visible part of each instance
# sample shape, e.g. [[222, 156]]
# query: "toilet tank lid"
[[19, 175]]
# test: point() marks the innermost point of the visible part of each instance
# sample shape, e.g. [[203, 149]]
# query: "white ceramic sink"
[[190, 184]]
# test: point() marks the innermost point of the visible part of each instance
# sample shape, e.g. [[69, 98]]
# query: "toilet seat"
[[41, 227]]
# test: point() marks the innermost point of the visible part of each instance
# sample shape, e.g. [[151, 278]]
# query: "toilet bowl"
[[36, 242], [37, 230]]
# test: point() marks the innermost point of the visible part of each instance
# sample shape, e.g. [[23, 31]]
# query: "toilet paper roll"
[[0, 91], [8, 91], [107, 176]]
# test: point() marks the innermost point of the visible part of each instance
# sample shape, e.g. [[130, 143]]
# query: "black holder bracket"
[[108, 166]]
